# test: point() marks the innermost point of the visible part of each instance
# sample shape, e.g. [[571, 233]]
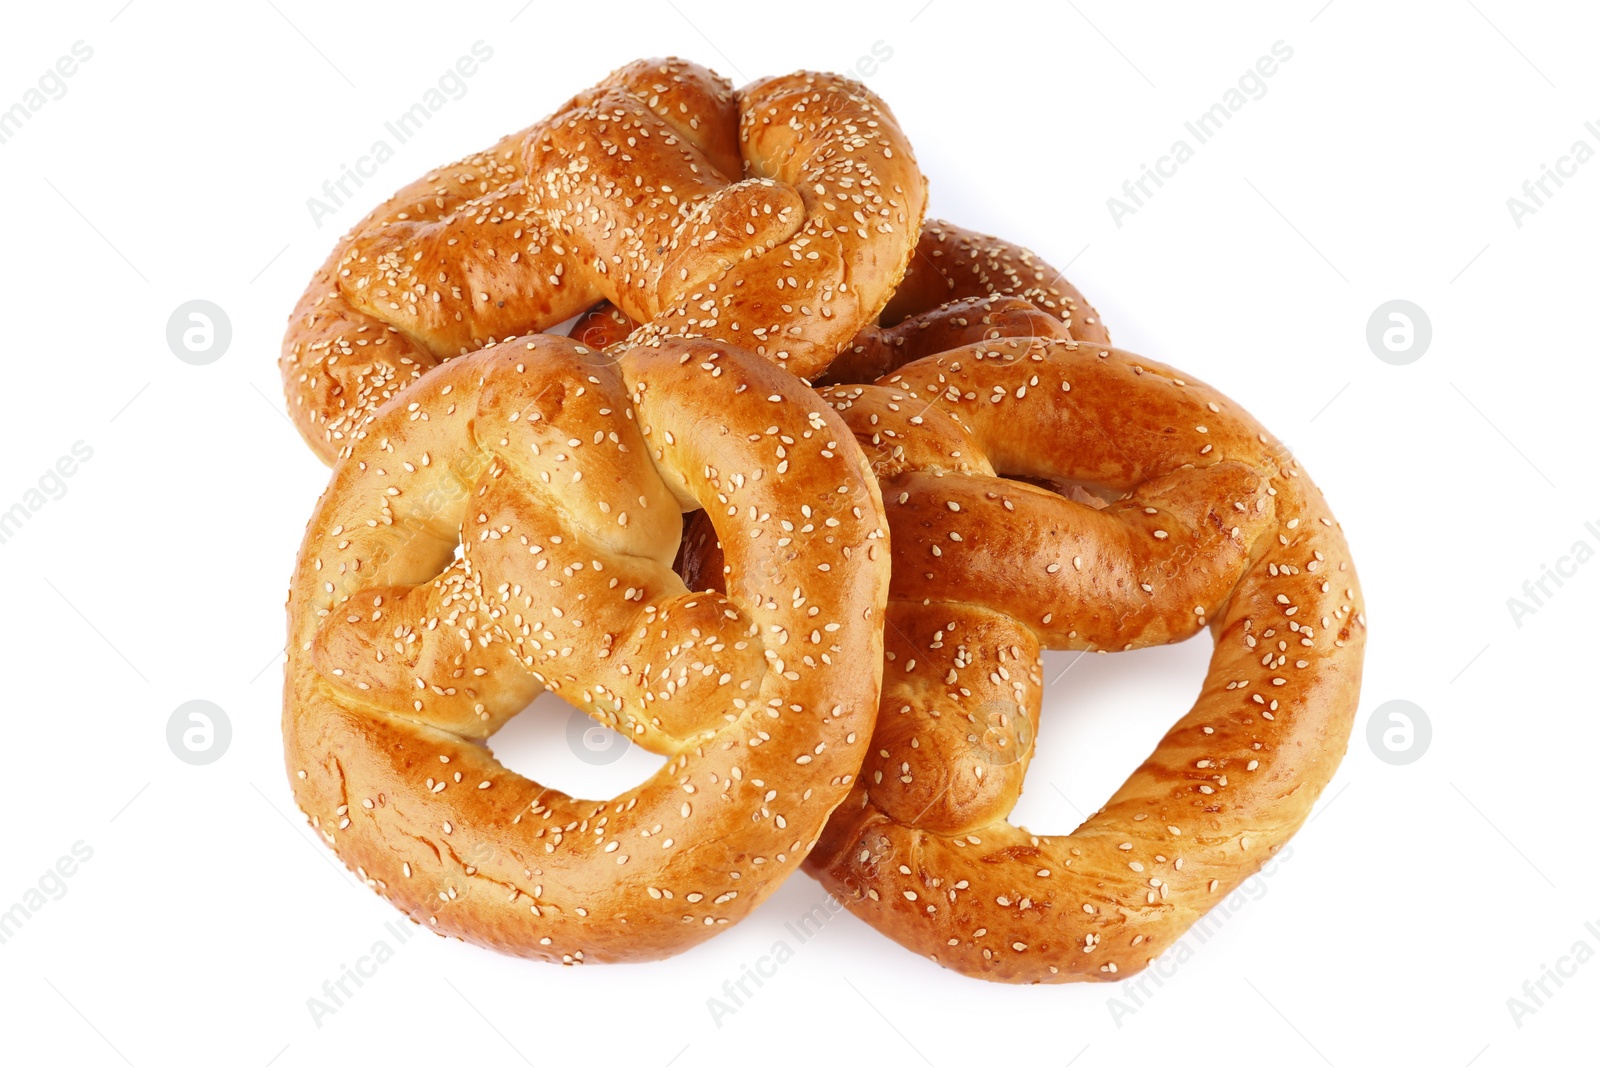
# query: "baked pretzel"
[[506, 525], [950, 267], [779, 218], [953, 263], [1211, 524]]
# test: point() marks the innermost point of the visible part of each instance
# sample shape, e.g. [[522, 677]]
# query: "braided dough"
[[508, 524], [779, 218], [1212, 525]]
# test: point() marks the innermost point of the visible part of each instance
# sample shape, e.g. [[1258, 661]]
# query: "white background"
[[1377, 166]]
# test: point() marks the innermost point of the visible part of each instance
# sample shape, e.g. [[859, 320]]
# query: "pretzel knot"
[[779, 218], [996, 460], [508, 524]]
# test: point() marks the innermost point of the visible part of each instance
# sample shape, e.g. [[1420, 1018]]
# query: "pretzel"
[[635, 191], [950, 268], [506, 525], [1211, 525], [953, 263]]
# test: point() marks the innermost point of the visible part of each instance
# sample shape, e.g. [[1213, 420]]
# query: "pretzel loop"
[[1211, 525], [563, 476], [1152, 507]]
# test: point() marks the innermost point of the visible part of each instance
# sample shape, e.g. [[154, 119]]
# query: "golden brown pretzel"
[[639, 193], [562, 476], [1212, 525]]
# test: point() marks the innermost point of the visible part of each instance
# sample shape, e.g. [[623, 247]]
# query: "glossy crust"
[[953, 263], [953, 274], [562, 475], [789, 262], [1212, 525], [780, 218]]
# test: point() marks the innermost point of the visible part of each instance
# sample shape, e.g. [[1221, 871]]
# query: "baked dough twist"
[[1212, 525], [779, 218], [508, 523]]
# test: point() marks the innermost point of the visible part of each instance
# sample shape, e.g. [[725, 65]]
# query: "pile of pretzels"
[[797, 500]]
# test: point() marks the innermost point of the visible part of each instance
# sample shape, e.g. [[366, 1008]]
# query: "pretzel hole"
[[553, 743], [1102, 714], [1086, 493]]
